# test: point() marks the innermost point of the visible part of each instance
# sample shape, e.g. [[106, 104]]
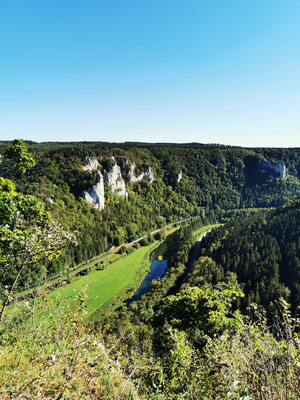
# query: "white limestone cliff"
[[95, 194], [131, 175], [116, 181], [91, 164], [148, 175], [114, 177]]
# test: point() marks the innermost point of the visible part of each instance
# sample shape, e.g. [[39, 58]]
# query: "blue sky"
[[208, 71]]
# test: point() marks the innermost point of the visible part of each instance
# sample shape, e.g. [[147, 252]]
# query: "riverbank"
[[157, 269]]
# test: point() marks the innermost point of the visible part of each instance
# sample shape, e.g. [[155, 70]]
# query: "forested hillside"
[[187, 180], [262, 251]]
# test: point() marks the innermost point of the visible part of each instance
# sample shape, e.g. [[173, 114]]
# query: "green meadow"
[[106, 289]]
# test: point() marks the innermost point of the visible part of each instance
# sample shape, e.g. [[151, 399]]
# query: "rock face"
[[95, 194], [131, 175], [179, 177], [148, 175], [91, 164], [114, 177], [278, 168], [115, 180]]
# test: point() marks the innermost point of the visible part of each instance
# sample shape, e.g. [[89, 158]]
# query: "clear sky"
[[208, 71]]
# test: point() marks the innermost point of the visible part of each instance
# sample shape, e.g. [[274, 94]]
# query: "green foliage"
[[260, 361], [18, 152], [28, 239], [28, 235], [240, 358], [200, 309], [261, 250], [56, 357], [51, 354]]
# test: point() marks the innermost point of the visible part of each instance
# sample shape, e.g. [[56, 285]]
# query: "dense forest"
[[262, 251], [188, 180]]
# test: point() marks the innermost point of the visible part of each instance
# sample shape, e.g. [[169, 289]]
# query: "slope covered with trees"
[[189, 180], [262, 251]]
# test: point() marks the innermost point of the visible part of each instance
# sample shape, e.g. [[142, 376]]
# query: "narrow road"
[[153, 233]]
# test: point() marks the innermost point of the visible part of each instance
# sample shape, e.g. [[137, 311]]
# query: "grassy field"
[[204, 229], [108, 288]]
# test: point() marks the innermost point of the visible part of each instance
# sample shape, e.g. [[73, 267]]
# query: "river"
[[157, 270]]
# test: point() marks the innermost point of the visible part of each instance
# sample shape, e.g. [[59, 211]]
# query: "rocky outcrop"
[[115, 177], [271, 167], [115, 180], [91, 164], [95, 194], [131, 175], [179, 177], [147, 175]]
